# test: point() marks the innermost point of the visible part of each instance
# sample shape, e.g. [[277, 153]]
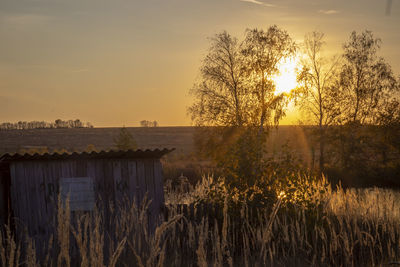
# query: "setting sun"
[[285, 81]]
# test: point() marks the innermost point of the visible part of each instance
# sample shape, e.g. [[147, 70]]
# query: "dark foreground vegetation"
[[295, 222]]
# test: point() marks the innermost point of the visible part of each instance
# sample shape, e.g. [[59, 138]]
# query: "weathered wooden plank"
[[68, 168], [34, 177], [150, 188], [159, 182], [91, 169], [102, 198], [43, 185], [149, 172], [119, 182], [81, 168], [15, 198], [100, 177], [133, 181], [52, 186], [91, 172], [22, 190], [41, 169], [140, 174], [17, 186], [125, 176], [109, 189], [49, 208], [37, 227], [31, 204], [105, 168]]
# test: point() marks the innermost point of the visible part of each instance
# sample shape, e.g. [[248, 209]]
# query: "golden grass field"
[[354, 228]]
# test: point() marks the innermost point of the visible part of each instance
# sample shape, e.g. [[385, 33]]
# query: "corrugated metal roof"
[[156, 153]]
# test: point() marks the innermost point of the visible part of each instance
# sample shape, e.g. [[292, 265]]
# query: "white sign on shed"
[[80, 191]]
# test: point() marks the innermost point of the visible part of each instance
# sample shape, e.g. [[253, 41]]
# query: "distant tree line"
[[146, 123], [26, 125]]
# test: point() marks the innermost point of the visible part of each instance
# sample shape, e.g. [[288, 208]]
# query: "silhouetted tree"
[[221, 98], [236, 86], [263, 51], [366, 80], [367, 87], [124, 140], [318, 97], [236, 95]]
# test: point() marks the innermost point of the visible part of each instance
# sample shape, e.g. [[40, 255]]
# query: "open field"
[[180, 138], [102, 138]]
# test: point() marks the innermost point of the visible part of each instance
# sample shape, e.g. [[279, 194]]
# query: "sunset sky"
[[116, 62]]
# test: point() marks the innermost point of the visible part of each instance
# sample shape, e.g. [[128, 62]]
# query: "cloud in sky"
[[328, 12], [258, 3]]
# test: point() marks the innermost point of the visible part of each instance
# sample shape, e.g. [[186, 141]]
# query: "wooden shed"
[[30, 184]]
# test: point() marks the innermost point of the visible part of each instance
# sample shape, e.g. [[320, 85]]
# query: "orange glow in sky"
[[115, 63]]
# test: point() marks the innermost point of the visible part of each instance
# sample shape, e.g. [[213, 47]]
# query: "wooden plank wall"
[[35, 188]]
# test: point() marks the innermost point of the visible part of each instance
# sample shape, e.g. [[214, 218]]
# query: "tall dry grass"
[[354, 228]]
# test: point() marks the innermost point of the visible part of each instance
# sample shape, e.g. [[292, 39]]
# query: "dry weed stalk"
[[353, 229], [10, 251], [63, 231]]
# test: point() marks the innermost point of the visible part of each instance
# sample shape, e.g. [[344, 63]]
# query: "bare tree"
[[367, 87], [236, 86], [366, 80], [263, 51], [221, 98], [318, 96], [236, 93]]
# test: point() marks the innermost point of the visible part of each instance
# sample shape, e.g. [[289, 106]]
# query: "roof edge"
[[103, 154]]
